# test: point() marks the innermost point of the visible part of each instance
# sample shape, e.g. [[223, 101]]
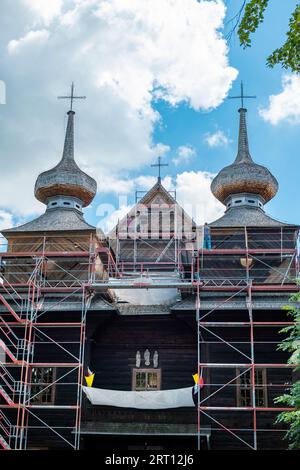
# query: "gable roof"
[[156, 190], [156, 195]]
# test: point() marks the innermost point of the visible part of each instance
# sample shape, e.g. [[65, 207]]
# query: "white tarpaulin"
[[152, 400], [147, 296]]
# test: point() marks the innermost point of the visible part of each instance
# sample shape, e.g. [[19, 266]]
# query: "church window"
[[149, 220], [172, 221], [146, 379], [160, 224], [244, 388], [41, 392]]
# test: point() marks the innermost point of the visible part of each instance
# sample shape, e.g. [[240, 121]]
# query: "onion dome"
[[66, 184], [244, 176]]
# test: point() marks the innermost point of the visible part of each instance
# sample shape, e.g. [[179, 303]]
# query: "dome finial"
[[72, 97], [159, 165], [244, 176], [68, 153], [66, 185], [241, 96], [243, 154]]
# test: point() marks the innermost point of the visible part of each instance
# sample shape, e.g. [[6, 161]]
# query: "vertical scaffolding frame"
[[251, 365], [15, 388]]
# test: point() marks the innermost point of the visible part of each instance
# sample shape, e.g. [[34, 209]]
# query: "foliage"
[[253, 16], [288, 55], [291, 344]]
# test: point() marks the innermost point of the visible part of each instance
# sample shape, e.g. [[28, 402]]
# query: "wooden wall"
[[111, 348]]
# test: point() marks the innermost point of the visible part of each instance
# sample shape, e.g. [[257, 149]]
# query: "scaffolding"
[[28, 328], [44, 276], [208, 332]]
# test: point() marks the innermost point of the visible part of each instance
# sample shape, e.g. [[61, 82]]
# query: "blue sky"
[[277, 147], [146, 97]]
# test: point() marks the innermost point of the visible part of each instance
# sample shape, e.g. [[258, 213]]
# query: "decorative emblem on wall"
[[138, 359], [147, 357], [155, 359]]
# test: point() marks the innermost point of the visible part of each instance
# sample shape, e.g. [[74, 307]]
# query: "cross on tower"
[[72, 97], [242, 96], [159, 165]]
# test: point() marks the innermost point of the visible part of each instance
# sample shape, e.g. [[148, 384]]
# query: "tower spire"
[[68, 152], [243, 154], [235, 182], [66, 185]]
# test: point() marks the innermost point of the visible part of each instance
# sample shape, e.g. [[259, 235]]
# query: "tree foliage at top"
[[288, 55], [291, 344]]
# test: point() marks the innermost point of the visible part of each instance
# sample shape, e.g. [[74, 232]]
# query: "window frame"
[[147, 371], [262, 387], [43, 385]]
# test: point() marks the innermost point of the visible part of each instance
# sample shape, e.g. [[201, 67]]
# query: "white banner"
[[152, 400]]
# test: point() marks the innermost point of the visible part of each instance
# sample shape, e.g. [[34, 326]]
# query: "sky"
[[157, 75]]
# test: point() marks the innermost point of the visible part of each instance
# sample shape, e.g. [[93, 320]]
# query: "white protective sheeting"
[[152, 400], [147, 296]]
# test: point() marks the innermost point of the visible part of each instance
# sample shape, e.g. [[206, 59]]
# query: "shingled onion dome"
[[244, 181], [66, 185]]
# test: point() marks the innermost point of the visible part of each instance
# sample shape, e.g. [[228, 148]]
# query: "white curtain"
[[152, 400]]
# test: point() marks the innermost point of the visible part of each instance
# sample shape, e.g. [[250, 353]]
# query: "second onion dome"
[[244, 175]]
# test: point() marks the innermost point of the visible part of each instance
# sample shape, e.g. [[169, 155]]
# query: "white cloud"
[[45, 10], [184, 154], [112, 184], [6, 220], [216, 139], [171, 40], [31, 38], [194, 194], [110, 217], [122, 186], [285, 106], [123, 56], [145, 182]]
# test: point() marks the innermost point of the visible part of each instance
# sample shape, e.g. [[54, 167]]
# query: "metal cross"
[[159, 165], [72, 97], [242, 96]]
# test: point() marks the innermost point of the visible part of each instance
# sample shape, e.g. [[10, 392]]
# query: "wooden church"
[[159, 335]]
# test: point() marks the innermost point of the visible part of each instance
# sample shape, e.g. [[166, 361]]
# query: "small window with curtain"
[[244, 388], [42, 392], [146, 379]]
